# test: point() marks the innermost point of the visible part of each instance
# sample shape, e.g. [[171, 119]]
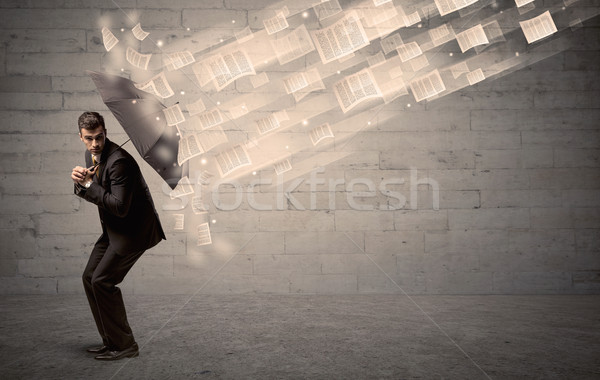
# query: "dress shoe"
[[130, 352], [97, 350]]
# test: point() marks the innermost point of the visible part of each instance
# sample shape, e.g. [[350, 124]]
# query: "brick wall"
[[515, 159]]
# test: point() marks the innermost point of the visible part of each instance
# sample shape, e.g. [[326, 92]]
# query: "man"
[[130, 225]]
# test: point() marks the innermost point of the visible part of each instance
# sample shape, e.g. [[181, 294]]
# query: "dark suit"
[[130, 225]]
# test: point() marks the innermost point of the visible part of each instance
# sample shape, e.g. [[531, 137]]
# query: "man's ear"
[[80, 136]]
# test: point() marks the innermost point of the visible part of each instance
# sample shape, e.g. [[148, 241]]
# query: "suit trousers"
[[104, 270]]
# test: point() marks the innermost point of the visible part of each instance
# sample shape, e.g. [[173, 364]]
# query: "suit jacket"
[[125, 205]]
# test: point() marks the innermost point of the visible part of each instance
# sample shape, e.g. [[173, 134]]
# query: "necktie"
[[98, 168]]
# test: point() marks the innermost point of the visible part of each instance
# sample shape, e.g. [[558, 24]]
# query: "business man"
[[130, 225]]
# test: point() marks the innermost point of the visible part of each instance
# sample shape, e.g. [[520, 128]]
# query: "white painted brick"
[[507, 159], [564, 178], [323, 242], [494, 179], [44, 41], [47, 18], [31, 143], [85, 101], [8, 267], [52, 267], [358, 263], [323, 284], [576, 158], [484, 219], [26, 84], [520, 198], [30, 101], [573, 139], [24, 285], [377, 283], [20, 163], [78, 245], [41, 184], [466, 241], [287, 264], [155, 266], [18, 244], [587, 240], [149, 18], [448, 199], [352, 220], [527, 282], [459, 282], [532, 120], [175, 245], [297, 221], [238, 221], [566, 99], [426, 159], [196, 19], [65, 224], [53, 63], [12, 222], [582, 60], [542, 241], [70, 285], [451, 262], [161, 4], [484, 100], [555, 217], [421, 120], [396, 242], [411, 220], [588, 217], [72, 84]]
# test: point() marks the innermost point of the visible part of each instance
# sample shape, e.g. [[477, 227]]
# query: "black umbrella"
[[141, 116]]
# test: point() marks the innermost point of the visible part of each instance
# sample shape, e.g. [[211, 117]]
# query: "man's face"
[[93, 139]]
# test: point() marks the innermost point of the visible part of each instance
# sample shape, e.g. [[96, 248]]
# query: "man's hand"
[[82, 175]]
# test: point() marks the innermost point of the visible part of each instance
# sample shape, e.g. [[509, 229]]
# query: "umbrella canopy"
[[141, 116]]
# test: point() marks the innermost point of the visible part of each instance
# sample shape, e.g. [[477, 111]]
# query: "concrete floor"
[[310, 336]]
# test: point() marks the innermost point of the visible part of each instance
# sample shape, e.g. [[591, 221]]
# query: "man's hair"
[[90, 120]]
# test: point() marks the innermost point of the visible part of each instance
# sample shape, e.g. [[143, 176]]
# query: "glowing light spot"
[[122, 69], [420, 26], [203, 161], [233, 21], [305, 14], [266, 61], [368, 123], [182, 92], [177, 134], [122, 29], [213, 221], [338, 71], [221, 40], [287, 147], [253, 173], [134, 101], [159, 43], [408, 105], [218, 103], [188, 29], [516, 54], [451, 54], [305, 122], [174, 164], [157, 118]]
